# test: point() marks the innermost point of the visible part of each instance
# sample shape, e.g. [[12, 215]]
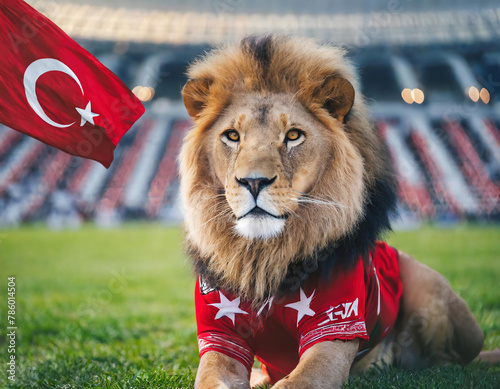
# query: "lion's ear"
[[194, 95], [337, 95]]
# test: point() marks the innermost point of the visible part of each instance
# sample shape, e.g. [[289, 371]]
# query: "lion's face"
[[268, 153], [281, 163]]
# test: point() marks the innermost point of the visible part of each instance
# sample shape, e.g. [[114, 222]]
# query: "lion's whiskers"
[[290, 210], [220, 214], [331, 204], [309, 198], [223, 195]]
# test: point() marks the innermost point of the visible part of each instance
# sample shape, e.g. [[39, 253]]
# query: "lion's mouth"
[[260, 224], [259, 212]]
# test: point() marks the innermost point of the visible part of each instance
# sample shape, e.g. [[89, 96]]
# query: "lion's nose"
[[255, 185]]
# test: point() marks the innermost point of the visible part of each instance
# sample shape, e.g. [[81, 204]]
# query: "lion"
[[287, 190]]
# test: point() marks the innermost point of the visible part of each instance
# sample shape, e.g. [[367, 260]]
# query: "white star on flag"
[[228, 308], [302, 306], [86, 114]]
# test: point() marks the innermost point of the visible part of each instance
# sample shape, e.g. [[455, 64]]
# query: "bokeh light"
[[473, 94]]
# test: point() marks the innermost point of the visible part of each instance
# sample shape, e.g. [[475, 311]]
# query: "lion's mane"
[[316, 241]]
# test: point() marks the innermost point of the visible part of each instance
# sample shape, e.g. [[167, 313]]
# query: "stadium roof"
[[212, 22]]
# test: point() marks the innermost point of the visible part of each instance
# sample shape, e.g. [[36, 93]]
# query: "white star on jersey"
[[228, 308], [302, 306]]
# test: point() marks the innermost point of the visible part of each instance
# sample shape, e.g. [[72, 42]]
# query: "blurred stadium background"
[[430, 70]]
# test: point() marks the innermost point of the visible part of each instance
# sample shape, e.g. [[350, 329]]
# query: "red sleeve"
[[339, 310], [222, 325]]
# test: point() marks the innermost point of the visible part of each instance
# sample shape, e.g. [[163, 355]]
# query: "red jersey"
[[361, 302]]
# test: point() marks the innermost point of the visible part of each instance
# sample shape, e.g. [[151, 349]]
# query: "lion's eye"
[[232, 135], [293, 135]]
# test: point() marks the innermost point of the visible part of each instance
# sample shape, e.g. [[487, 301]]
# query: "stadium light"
[[417, 95], [406, 95], [144, 93], [473, 94], [484, 95]]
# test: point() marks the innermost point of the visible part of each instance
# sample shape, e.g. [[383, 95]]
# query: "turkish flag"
[[55, 91]]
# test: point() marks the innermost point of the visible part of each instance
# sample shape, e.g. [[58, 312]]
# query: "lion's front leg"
[[218, 371], [324, 366]]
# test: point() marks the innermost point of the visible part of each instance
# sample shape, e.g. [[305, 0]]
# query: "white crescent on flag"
[[31, 75]]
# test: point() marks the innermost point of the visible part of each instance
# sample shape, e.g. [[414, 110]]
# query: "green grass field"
[[114, 308]]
